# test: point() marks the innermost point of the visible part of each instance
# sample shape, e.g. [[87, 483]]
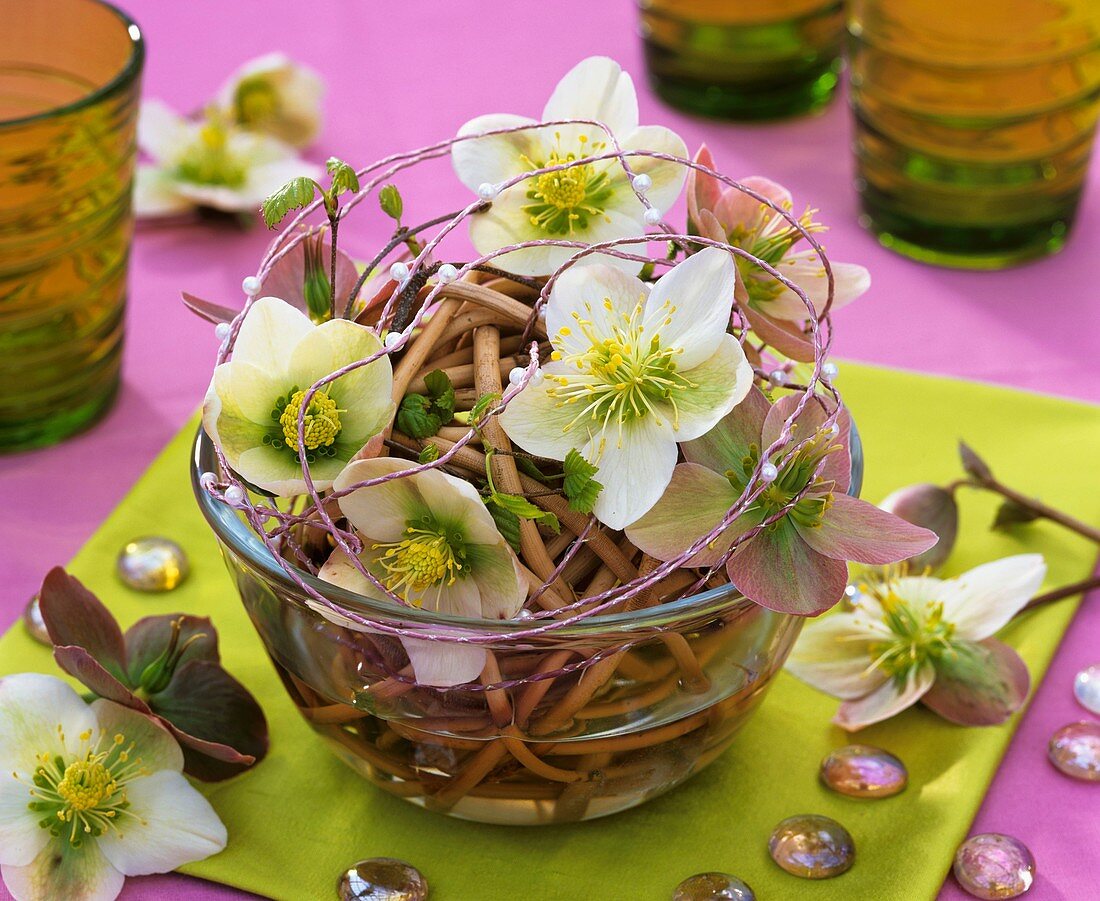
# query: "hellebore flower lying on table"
[[591, 202], [724, 214], [254, 400], [635, 369], [90, 794], [430, 540], [274, 95], [918, 638], [166, 667], [210, 164], [798, 563]]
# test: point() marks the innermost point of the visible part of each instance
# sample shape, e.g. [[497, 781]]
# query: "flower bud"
[[930, 507]]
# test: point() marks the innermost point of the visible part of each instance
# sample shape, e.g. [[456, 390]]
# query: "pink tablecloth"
[[402, 75]]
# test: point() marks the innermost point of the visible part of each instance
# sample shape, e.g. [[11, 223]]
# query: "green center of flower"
[[769, 242], [256, 100], [429, 557], [918, 635], [621, 377], [563, 201], [209, 161], [321, 420], [85, 795]]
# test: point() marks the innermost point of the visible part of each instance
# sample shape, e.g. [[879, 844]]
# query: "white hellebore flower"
[[634, 370], [430, 540], [207, 164], [590, 202], [277, 96], [254, 400], [919, 638], [90, 794]]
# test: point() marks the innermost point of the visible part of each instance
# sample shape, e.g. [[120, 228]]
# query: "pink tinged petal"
[[287, 277], [667, 177], [177, 826], [634, 470], [719, 384], [783, 336], [21, 838], [838, 463], [834, 656], [211, 312], [694, 503], [778, 570], [852, 529], [586, 293], [981, 601], [689, 306], [983, 684], [270, 332], [849, 282], [703, 191], [32, 706], [737, 210], [82, 666], [497, 158], [708, 226], [442, 664], [886, 701], [154, 743], [75, 616], [726, 445], [61, 871], [596, 88], [381, 512]]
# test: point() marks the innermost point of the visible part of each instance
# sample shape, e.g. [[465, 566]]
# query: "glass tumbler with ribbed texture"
[[69, 79], [975, 122]]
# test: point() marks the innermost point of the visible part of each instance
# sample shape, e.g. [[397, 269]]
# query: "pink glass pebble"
[[812, 846], [1075, 750], [862, 771], [713, 887], [994, 866]]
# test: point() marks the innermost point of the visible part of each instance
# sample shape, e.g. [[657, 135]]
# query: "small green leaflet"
[[507, 524], [429, 453], [520, 506], [344, 178], [481, 407], [389, 199], [442, 393], [420, 416], [294, 195], [580, 488]]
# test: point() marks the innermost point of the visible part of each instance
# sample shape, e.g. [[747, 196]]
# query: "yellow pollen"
[[565, 189], [85, 785], [422, 561], [322, 420]]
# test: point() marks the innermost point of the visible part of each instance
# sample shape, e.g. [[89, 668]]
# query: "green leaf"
[[507, 524], [1011, 514], [580, 488], [389, 199], [442, 393], [528, 467], [415, 417], [482, 407], [344, 178], [295, 194], [522, 507], [429, 453]]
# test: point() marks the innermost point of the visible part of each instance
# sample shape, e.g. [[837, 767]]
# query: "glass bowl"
[[647, 699]]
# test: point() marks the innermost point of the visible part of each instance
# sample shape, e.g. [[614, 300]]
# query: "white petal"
[[21, 838], [32, 707], [539, 423], [63, 872], [721, 383], [497, 158], [266, 178], [598, 295], [668, 178], [596, 88], [689, 306], [849, 282], [500, 582], [275, 470], [247, 390], [917, 590], [444, 664], [381, 512], [162, 132], [834, 656], [156, 194], [634, 473], [177, 826], [454, 500], [885, 701], [982, 601], [153, 743], [269, 334]]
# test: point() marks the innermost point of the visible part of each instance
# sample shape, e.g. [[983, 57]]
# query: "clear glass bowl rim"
[[234, 534]]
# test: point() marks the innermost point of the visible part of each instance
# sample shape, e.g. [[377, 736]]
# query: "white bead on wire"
[[829, 370], [399, 272], [768, 472], [652, 216], [234, 495], [392, 339], [251, 286], [221, 331], [487, 191], [642, 183], [447, 273]]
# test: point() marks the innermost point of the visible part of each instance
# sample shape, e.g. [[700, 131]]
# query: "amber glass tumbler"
[[743, 59], [69, 79], [974, 123]]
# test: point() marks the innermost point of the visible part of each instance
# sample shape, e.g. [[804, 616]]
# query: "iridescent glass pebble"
[[32, 622], [713, 887], [1086, 688], [993, 866], [862, 771], [1075, 750], [812, 846], [152, 564], [382, 879]]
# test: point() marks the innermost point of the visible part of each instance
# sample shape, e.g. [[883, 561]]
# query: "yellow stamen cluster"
[[422, 561], [917, 634], [620, 377], [562, 201], [209, 160], [322, 420], [85, 795]]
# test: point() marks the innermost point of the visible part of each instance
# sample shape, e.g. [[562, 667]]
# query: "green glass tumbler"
[[743, 59], [974, 124], [69, 79]]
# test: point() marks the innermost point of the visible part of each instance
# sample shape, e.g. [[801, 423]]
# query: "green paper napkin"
[[302, 817]]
